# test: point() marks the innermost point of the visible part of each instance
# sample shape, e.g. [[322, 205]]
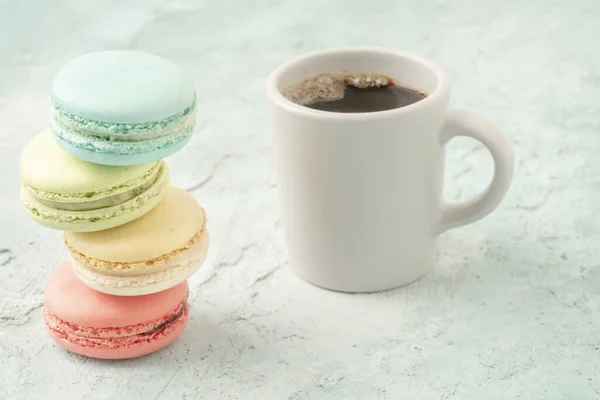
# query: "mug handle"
[[469, 124]]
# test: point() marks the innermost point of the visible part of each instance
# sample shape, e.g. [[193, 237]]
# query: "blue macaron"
[[122, 108]]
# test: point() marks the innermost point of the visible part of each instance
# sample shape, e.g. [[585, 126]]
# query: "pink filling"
[[126, 336]]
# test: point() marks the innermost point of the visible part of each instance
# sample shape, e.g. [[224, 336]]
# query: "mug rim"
[[277, 97]]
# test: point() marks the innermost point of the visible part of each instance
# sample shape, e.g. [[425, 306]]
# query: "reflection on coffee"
[[351, 93]]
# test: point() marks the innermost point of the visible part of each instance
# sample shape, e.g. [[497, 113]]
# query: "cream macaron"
[[150, 254]]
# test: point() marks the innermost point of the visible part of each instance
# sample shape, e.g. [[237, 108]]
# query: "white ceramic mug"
[[362, 193]]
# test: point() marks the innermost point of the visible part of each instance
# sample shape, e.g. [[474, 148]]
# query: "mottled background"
[[512, 309]]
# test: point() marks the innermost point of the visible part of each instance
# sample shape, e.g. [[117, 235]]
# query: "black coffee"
[[357, 93]]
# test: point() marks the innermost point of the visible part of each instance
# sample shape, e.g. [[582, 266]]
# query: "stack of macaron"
[[98, 174]]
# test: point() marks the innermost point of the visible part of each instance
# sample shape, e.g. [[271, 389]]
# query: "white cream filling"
[[125, 138], [183, 266]]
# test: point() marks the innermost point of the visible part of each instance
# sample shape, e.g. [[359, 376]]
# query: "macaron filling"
[[123, 131], [117, 337], [117, 145], [101, 199], [183, 264]]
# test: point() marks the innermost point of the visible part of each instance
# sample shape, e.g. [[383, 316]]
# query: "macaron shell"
[[121, 353], [45, 166], [123, 157], [167, 227], [70, 300], [122, 87]]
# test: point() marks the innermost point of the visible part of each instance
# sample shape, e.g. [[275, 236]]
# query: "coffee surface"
[[356, 93]]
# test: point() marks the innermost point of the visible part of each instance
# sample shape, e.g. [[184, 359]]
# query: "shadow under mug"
[[361, 193]]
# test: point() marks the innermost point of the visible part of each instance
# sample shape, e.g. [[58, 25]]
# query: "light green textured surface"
[[512, 309]]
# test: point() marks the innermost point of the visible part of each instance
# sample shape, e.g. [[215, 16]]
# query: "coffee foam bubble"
[[330, 87]]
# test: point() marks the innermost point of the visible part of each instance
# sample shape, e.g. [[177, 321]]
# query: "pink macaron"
[[100, 325]]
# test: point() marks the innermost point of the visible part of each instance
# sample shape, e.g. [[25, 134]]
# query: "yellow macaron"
[[150, 254]]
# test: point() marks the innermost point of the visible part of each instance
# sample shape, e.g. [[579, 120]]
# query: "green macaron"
[[63, 192]]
